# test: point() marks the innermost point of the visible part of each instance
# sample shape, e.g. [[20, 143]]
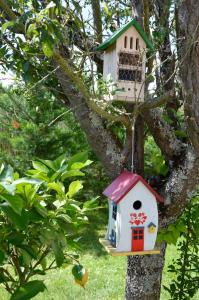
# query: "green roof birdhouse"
[[124, 62]]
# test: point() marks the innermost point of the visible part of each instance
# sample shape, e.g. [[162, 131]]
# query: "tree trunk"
[[143, 278]]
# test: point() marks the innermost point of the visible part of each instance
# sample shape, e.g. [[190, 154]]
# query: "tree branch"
[[180, 187], [163, 134], [146, 16], [78, 81], [11, 15], [189, 69], [7, 10], [153, 103], [97, 18], [99, 137]]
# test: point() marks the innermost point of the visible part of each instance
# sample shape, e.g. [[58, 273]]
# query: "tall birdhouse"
[[124, 63], [133, 216]]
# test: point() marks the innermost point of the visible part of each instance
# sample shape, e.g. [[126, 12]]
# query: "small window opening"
[[125, 42], [114, 214], [131, 43], [137, 204], [137, 44], [138, 234]]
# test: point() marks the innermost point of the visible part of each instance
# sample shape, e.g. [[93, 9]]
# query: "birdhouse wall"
[[126, 209], [130, 33], [110, 61]]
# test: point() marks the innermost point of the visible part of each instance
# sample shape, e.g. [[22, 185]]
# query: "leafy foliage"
[[155, 163], [186, 266], [33, 124], [39, 219]]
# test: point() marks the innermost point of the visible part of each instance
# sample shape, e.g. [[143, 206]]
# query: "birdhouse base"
[[110, 249], [122, 98]]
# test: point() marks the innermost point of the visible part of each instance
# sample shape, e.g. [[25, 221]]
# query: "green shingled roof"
[[119, 32]]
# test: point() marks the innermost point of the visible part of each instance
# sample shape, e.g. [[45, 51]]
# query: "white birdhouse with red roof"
[[133, 215]]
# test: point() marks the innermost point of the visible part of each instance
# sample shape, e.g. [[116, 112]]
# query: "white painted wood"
[[110, 59], [128, 90]]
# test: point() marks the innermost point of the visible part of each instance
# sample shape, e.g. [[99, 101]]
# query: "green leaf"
[[4, 278], [47, 47], [6, 173], [170, 237], [164, 169], [74, 207], [16, 202], [26, 66], [59, 162], [28, 290], [40, 166], [29, 250], [59, 203], [2, 256], [77, 6], [49, 163], [58, 187], [41, 210], [32, 29], [106, 9], [80, 165], [79, 157], [25, 258], [19, 221], [91, 204], [181, 227], [78, 272], [58, 252], [74, 187], [51, 4], [16, 238], [71, 173], [65, 218], [10, 188], [28, 180], [7, 25], [35, 174]]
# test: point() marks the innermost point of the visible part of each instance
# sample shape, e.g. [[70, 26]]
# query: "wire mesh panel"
[[130, 59], [130, 75], [130, 67]]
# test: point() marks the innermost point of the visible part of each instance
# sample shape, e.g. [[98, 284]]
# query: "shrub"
[[39, 221]]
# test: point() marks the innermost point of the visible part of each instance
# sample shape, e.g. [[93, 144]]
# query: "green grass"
[[106, 273]]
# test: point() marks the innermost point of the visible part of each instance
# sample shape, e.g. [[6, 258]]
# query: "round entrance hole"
[[137, 204]]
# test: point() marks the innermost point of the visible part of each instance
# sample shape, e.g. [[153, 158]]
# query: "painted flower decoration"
[[137, 219]]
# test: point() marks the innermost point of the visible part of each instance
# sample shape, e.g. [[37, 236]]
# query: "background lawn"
[[106, 273]]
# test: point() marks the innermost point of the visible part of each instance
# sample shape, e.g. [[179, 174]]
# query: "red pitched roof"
[[123, 184]]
